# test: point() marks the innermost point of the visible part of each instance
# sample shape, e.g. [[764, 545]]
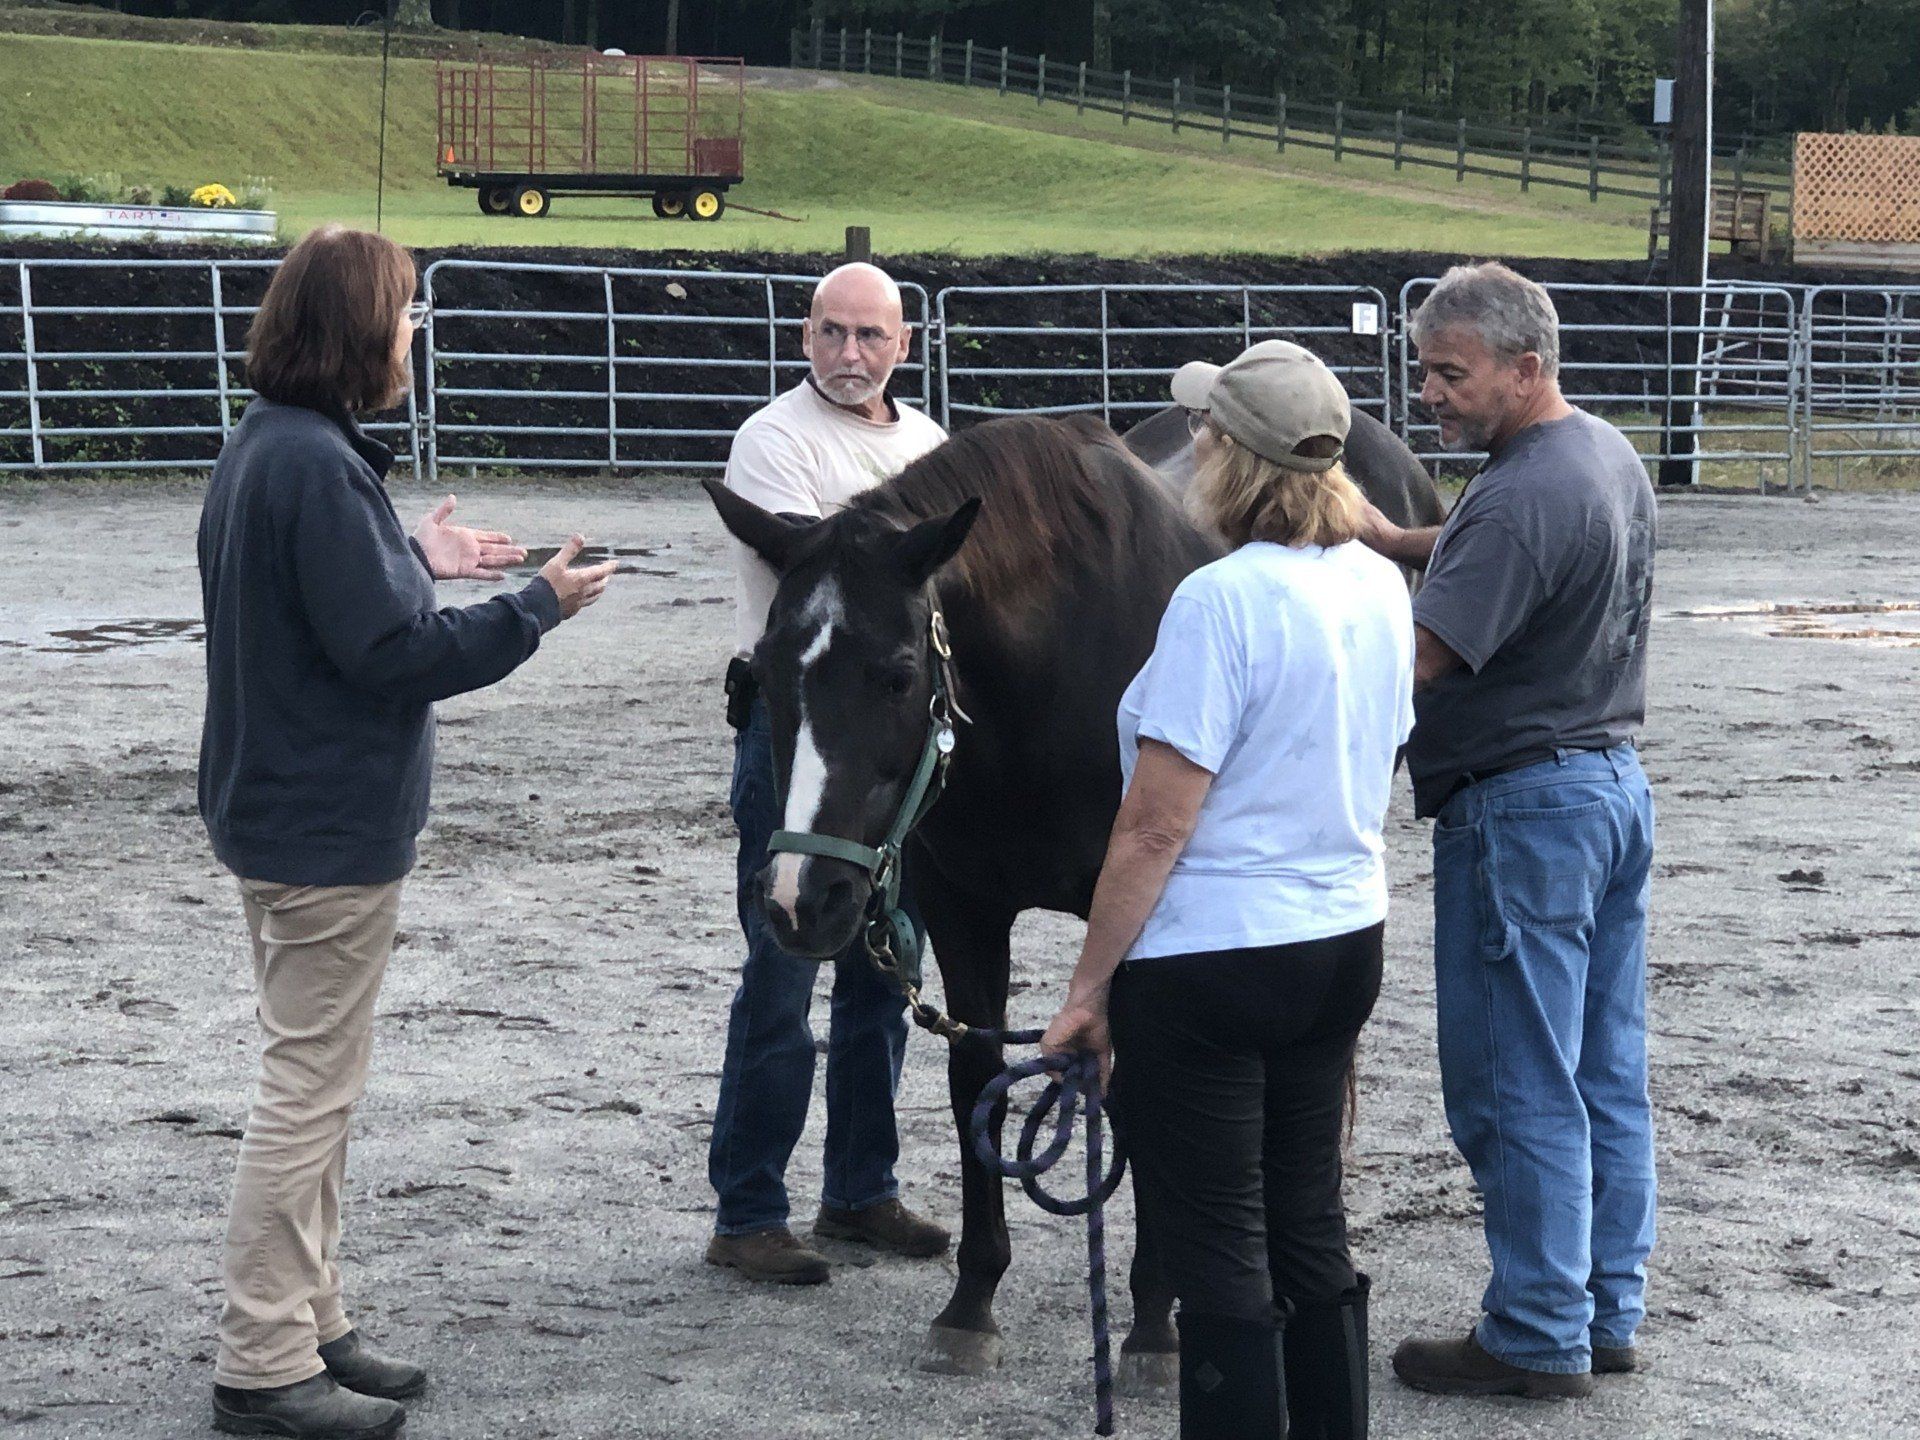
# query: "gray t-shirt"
[[1541, 583]]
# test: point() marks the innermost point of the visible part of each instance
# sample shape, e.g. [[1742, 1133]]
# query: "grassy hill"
[[925, 177]]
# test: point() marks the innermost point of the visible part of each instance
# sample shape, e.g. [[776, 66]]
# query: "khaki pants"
[[319, 953]]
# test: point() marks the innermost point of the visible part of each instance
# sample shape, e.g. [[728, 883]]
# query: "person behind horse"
[[326, 649], [1233, 951], [1532, 635], [807, 454]]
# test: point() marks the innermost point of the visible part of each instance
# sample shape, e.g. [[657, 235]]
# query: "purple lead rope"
[[1072, 1089]]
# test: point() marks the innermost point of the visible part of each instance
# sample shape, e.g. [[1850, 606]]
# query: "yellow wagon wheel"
[[705, 204], [669, 204], [530, 201]]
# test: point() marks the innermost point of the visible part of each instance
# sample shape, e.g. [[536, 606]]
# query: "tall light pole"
[[1690, 220]]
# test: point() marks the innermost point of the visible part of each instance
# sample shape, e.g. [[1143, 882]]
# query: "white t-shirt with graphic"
[[1287, 672], [804, 455]]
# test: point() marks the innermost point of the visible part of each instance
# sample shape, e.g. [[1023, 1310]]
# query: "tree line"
[[1783, 65]]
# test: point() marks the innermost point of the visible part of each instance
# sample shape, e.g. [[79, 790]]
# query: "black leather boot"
[[360, 1367], [1231, 1379], [1326, 1366], [315, 1409]]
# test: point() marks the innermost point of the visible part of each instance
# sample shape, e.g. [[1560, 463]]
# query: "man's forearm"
[[1411, 547]]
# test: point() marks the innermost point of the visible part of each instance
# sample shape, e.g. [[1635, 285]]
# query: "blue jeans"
[[766, 1081], [1540, 883]]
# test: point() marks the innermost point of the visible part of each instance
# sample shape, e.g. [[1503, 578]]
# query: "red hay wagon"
[[522, 131]]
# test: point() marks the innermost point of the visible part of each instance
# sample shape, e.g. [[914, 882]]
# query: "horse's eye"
[[898, 683]]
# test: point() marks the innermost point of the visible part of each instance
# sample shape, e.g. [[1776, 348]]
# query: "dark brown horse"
[[1052, 591]]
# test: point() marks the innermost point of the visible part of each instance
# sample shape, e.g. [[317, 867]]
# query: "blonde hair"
[[1247, 497]]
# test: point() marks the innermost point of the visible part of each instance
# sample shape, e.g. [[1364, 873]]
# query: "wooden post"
[[899, 54], [966, 75], [1280, 121], [1226, 113], [1080, 95], [936, 58], [1593, 169], [1399, 135], [1126, 96], [1526, 158], [1003, 69], [1176, 104], [859, 244], [866, 62], [1460, 153], [1687, 234], [1339, 128], [843, 47], [1040, 79]]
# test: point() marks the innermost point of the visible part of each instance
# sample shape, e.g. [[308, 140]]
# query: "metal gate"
[[1861, 395], [1109, 350], [97, 374], [611, 368], [1625, 349]]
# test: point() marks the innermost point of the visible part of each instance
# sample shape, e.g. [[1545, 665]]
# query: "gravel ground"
[[528, 1197]]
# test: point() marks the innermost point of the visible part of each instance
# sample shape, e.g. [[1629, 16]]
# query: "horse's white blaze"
[[807, 785]]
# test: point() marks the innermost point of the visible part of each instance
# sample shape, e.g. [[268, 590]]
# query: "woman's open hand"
[[456, 553]]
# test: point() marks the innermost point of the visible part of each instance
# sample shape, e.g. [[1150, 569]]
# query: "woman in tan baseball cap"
[[1234, 947], [1269, 430]]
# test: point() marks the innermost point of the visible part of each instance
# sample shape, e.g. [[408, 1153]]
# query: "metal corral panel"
[[592, 114]]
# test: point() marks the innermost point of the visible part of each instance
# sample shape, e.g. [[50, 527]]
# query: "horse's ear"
[[931, 543], [772, 537]]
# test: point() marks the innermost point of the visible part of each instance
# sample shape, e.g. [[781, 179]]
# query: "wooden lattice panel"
[[1857, 187]]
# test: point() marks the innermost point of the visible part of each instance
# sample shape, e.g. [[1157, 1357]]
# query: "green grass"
[[927, 167]]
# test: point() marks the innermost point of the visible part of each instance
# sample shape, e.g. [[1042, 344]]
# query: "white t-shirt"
[[1288, 672], [804, 455]]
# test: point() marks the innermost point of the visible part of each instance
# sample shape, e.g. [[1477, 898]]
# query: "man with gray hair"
[[807, 454], [1530, 687]]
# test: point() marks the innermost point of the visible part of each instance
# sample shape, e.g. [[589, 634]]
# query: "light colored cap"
[[1271, 399]]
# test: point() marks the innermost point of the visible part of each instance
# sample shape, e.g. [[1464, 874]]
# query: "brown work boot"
[[1615, 1359], [1461, 1367], [889, 1225], [770, 1255]]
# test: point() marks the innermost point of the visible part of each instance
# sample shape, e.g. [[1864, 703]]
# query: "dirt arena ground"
[[528, 1192]]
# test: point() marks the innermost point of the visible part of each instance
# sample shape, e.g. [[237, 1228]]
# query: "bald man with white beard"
[[808, 453]]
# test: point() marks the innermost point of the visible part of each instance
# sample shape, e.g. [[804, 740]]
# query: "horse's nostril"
[[820, 905]]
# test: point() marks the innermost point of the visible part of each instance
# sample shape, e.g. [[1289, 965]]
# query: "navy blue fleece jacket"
[[325, 653]]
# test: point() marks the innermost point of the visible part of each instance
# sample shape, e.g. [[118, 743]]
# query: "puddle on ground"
[[1893, 623], [594, 555], [114, 635]]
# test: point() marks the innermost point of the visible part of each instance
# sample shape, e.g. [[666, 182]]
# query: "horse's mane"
[[1054, 489]]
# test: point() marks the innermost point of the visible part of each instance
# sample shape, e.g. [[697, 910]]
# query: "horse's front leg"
[[1150, 1355], [971, 942]]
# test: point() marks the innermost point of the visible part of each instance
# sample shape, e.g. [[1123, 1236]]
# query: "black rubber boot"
[[1231, 1380], [1327, 1366], [366, 1371], [316, 1409]]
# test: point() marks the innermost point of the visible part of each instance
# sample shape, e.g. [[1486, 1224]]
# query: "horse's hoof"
[[961, 1352], [1147, 1374]]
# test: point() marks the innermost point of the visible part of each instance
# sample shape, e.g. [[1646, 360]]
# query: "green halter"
[[894, 944]]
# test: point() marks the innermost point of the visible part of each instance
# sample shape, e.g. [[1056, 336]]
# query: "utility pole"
[[1690, 219], [673, 27]]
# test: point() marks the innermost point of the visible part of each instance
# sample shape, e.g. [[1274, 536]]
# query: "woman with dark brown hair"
[[325, 653]]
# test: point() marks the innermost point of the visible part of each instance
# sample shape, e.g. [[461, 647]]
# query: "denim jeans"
[[1540, 884], [766, 1081]]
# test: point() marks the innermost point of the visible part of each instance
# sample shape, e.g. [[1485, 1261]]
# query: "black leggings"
[[1230, 1076]]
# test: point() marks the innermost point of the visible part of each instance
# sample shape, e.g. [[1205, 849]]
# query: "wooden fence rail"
[[1629, 164]]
